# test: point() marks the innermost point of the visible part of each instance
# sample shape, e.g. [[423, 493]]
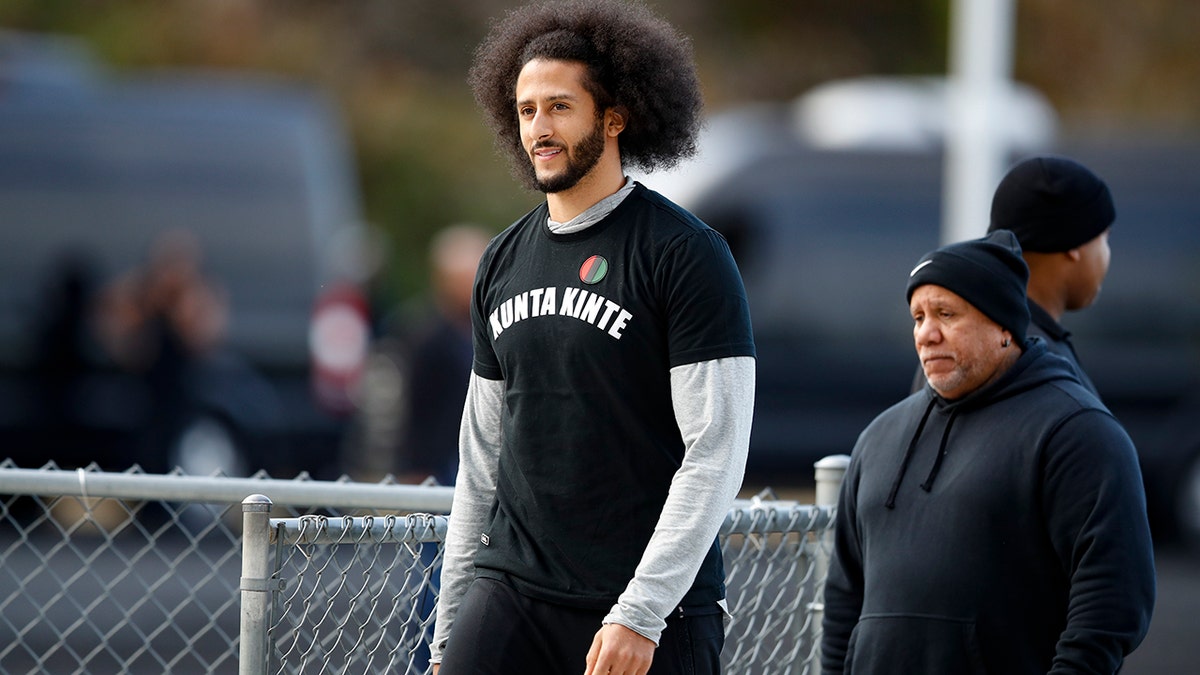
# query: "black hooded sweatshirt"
[[1002, 533]]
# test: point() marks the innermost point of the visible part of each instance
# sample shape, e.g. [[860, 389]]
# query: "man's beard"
[[581, 159]]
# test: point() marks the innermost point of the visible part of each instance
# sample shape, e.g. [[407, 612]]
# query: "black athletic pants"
[[498, 631]]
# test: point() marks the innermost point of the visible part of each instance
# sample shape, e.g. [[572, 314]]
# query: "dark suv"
[[96, 172], [825, 239]]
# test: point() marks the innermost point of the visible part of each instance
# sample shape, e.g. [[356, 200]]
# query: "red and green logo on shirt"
[[593, 269]]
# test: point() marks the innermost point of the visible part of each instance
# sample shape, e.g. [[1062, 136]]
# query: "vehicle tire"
[[208, 446], [1187, 504]]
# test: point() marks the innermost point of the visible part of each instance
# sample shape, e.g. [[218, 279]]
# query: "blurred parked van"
[[252, 179]]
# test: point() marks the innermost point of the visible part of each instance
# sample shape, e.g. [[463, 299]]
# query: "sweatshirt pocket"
[[913, 643]]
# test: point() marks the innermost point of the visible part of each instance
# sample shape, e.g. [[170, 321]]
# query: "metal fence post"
[[255, 584], [829, 473]]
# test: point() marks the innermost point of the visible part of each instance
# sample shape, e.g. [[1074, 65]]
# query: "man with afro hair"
[[608, 411]]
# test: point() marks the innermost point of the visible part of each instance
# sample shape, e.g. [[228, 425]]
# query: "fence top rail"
[[224, 490], [760, 518], [777, 518], [395, 529], [342, 494]]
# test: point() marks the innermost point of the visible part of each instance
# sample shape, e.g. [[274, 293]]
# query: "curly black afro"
[[636, 61]]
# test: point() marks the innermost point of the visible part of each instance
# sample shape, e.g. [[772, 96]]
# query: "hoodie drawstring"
[[912, 444], [937, 463], [891, 499]]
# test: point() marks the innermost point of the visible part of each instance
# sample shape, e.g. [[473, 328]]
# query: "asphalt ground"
[[1173, 644]]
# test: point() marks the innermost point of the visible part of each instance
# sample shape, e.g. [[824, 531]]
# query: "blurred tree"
[[1116, 65], [398, 68]]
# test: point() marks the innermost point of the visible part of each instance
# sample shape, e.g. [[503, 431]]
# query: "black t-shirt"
[[583, 329]]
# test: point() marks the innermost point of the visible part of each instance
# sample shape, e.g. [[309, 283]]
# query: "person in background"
[[416, 381], [439, 360], [162, 320], [608, 414], [164, 308], [1061, 213], [66, 357], [994, 521]]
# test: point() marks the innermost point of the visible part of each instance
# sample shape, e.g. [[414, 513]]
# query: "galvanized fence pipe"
[[132, 485], [256, 588], [830, 473]]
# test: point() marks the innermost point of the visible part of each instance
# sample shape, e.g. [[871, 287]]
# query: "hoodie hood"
[[1035, 367]]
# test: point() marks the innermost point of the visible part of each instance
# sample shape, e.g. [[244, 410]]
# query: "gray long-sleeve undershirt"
[[713, 402]]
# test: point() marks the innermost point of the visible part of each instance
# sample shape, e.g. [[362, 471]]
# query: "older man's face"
[[960, 348]]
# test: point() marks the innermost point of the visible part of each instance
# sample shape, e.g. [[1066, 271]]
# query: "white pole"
[[980, 84]]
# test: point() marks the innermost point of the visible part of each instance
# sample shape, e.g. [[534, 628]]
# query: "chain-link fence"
[[357, 595], [135, 573], [338, 595], [775, 562]]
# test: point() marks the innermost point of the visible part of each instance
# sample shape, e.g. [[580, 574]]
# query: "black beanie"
[[1052, 204], [988, 273]]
